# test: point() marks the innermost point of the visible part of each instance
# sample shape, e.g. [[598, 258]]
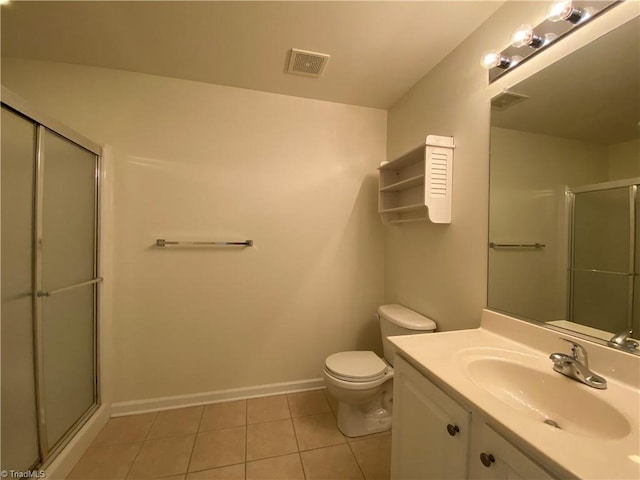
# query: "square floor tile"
[[374, 457], [286, 467], [315, 431], [266, 409], [218, 448], [105, 462], [270, 439], [231, 472], [171, 423], [224, 415], [308, 403], [331, 463], [129, 429], [163, 457]]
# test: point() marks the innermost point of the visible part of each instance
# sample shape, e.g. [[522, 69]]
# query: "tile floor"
[[280, 437]]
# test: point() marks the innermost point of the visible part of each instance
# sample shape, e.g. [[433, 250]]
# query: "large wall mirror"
[[564, 226]]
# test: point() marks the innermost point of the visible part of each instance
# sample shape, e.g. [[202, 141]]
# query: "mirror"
[[564, 221]]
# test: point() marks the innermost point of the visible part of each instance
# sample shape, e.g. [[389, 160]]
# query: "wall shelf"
[[417, 185], [404, 208], [404, 184]]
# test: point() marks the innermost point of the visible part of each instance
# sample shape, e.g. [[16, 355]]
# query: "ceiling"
[[379, 49]]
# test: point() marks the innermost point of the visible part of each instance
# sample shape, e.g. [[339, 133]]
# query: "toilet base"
[[359, 420]]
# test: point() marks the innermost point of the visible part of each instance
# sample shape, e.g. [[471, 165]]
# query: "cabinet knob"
[[452, 429], [487, 459]]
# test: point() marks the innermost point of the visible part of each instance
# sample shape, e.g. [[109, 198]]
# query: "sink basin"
[[543, 396]]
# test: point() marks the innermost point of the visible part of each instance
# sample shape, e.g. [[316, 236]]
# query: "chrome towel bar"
[[161, 242], [516, 245]]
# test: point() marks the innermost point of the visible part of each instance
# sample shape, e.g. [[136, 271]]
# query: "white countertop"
[[441, 357]]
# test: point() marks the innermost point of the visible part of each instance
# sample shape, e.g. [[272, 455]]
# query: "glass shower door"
[[19, 418], [67, 269], [602, 259], [49, 290]]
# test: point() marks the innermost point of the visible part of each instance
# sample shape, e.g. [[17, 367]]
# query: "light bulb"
[[525, 36], [493, 58], [564, 10]]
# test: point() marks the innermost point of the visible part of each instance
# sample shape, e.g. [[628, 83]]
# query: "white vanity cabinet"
[[492, 457], [436, 437], [430, 437]]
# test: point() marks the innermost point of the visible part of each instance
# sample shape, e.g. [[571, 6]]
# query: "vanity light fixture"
[[493, 59], [565, 10], [525, 36], [562, 17]]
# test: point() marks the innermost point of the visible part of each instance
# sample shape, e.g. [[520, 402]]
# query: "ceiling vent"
[[309, 64], [507, 99]]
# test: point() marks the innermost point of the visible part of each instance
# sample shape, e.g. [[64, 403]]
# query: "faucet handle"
[[578, 352], [622, 341]]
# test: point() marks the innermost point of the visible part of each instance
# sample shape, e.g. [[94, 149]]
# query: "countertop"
[[442, 356]]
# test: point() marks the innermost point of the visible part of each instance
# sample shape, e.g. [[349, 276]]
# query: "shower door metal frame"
[[632, 186], [43, 123]]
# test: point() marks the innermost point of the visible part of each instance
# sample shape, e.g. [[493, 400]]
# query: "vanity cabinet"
[[436, 437], [430, 435], [495, 458]]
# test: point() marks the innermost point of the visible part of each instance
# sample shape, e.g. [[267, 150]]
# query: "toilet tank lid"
[[406, 318]]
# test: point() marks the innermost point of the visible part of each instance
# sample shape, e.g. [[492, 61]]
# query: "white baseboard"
[[69, 456], [120, 409]]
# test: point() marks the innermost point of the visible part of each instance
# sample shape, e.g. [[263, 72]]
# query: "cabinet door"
[[430, 430], [501, 460]]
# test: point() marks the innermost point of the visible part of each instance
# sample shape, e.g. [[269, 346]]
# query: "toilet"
[[362, 382]]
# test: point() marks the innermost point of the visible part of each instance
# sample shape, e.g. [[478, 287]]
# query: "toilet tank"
[[399, 320]]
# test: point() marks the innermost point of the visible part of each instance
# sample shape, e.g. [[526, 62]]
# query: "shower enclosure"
[[604, 290], [49, 258]]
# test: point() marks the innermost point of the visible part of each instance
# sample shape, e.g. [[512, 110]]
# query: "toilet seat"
[[356, 366]]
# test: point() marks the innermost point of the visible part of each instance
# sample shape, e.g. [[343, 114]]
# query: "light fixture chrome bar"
[[161, 242], [550, 32], [41, 293], [516, 245], [606, 272]]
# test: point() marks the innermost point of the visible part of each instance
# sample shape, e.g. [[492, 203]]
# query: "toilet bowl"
[[362, 382]]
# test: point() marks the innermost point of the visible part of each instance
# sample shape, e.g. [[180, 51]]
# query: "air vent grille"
[[507, 99], [310, 64]]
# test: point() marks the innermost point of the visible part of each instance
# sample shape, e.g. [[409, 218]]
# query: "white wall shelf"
[[417, 185]]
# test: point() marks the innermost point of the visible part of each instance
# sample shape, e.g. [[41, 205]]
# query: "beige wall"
[[529, 174], [624, 160], [441, 270], [197, 161]]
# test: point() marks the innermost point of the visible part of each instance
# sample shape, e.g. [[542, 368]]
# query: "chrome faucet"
[[623, 342], [576, 366]]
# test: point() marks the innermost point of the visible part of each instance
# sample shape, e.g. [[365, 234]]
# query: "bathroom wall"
[[624, 160], [441, 270], [194, 161], [529, 174]]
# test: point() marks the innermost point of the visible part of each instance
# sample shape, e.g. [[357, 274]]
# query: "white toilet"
[[362, 382]]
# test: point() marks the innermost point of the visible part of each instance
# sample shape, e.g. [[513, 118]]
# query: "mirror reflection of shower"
[[604, 256]]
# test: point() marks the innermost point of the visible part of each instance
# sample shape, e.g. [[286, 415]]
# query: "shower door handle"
[[606, 272], [48, 293]]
